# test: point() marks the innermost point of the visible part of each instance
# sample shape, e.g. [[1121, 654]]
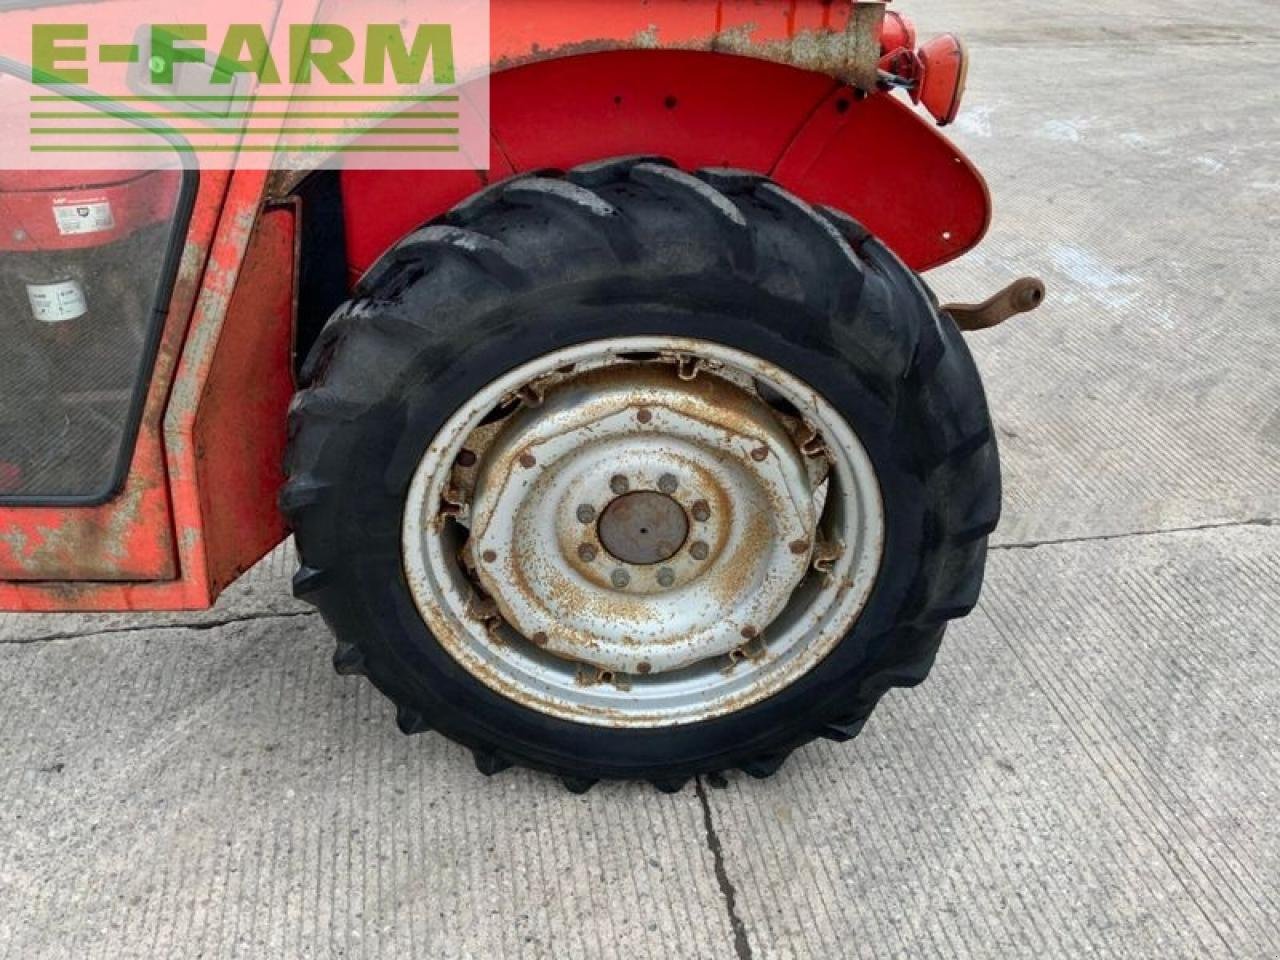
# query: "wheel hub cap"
[[643, 528], [644, 589], [642, 532]]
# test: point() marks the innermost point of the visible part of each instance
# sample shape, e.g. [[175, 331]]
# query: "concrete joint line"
[[147, 628], [741, 945], [1225, 525]]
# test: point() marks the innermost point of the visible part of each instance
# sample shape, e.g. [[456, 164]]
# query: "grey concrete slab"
[[220, 793], [1091, 769], [1144, 395], [1054, 25]]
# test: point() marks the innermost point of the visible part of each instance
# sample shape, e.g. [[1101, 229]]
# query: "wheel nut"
[[701, 512], [666, 577], [760, 453], [586, 513], [620, 578], [699, 550], [619, 484], [587, 551], [667, 483]]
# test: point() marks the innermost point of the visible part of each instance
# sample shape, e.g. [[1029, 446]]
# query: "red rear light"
[[944, 67]]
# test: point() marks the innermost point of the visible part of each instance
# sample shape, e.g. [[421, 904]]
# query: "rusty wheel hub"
[[629, 533], [643, 527]]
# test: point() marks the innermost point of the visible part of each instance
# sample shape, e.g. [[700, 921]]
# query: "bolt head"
[[620, 578], [699, 550], [760, 454], [701, 512], [667, 483], [619, 484], [586, 513], [666, 577], [587, 551]]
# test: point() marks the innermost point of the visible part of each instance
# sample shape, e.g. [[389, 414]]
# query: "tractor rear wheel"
[[637, 473]]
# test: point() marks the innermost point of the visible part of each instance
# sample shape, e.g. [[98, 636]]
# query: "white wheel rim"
[[748, 558]]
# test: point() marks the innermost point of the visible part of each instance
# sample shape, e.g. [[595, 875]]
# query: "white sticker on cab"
[[57, 301], [91, 217]]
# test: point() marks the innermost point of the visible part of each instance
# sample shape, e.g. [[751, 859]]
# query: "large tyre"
[[719, 272]]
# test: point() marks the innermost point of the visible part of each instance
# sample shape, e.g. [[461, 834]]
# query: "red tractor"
[[643, 453]]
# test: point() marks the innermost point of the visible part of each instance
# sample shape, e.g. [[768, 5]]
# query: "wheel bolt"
[[699, 550], [587, 551], [620, 578], [667, 483], [666, 577], [701, 512], [586, 513], [619, 484]]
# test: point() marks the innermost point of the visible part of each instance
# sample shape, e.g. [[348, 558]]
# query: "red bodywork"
[[573, 81]]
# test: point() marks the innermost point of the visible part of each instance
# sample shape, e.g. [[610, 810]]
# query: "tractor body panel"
[[571, 84]]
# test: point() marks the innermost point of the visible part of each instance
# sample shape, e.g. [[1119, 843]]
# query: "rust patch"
[[845, 54]]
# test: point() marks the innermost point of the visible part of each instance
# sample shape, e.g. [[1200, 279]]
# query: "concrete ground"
[[1093, 769]]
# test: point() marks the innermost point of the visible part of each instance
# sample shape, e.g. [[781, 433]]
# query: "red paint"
[[27, 200], [880, 162], [874, 158], [238, 435]]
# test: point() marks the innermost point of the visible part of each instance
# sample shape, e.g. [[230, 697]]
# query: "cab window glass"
[[86, 262]]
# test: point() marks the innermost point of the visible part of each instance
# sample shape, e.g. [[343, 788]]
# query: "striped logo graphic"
[[357, 83]]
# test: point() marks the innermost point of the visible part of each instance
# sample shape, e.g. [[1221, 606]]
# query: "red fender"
[[875, 158]]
